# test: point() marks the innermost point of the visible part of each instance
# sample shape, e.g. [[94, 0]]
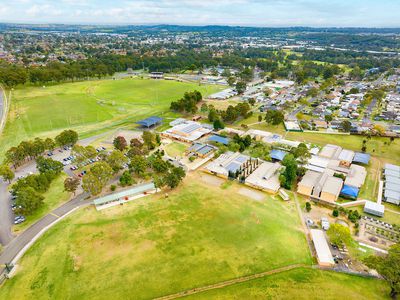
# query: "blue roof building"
[[349, 192], [150, 121], [277, 154], [219, 139], [362, 158]]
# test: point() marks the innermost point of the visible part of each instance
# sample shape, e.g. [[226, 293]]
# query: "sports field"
[[199, 235], [304, 284], [89, 107]]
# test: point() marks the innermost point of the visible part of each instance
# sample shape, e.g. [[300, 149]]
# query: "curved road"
[[18, 243], [6, 216]]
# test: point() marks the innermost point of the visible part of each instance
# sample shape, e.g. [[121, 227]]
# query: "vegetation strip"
[[231, 282]]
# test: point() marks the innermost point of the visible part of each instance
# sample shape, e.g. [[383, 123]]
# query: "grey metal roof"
[[392, 194], [392, 167], [392, 179], [393, 173], [233, 167], [392, 186], [190, 128], [131, 192]]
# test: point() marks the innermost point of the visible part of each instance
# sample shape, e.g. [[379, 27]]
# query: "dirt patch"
[[255, 195], [212, 180]]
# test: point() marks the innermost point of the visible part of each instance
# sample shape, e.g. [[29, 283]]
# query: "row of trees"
[[29, 190], [230, 115], [187, 104], [32, 149], [275, 62]]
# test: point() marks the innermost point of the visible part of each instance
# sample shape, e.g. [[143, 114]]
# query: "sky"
[[274, 13]]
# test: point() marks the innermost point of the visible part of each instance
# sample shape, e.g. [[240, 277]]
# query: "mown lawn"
[[89, 106], [175, 149], [303, 283], [199, 235], [53, 198]]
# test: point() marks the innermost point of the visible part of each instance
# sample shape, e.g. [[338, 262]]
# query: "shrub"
[[308, 206]]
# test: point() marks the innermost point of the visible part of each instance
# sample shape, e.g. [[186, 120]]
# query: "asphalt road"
[[2, 108], [18, 243], [6, 214]]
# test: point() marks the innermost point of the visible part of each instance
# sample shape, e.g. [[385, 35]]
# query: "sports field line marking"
[[226, 283]]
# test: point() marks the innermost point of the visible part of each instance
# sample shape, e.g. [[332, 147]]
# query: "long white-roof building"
[[187, 131], [324, 254]]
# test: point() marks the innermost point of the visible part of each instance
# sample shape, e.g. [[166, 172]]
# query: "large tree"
[[97, 177], [388, 267], [346, 126], [289, 174], [6, 173], [274, 117], [67, 138], [71, 184], [138, 165], [120, 143], [29, 200], [48, 165], [116, 160], [339, 234]]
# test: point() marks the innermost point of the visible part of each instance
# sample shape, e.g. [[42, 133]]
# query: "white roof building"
[[227, 162], [187, 131], [346, 156], [330, 151], [374, 208], [265, 177], [324, 255], [356, 176]]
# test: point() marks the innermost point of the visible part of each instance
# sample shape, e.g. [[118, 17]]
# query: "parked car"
[[19, 219]]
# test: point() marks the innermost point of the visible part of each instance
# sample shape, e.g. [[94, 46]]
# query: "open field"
[[89, 107], [53, 198], [175, 149], [302, 283], [199, 235]]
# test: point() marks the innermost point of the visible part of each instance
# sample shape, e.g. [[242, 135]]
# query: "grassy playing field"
[[175, 149], [302, 283], [89, 107], [199, 235]]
